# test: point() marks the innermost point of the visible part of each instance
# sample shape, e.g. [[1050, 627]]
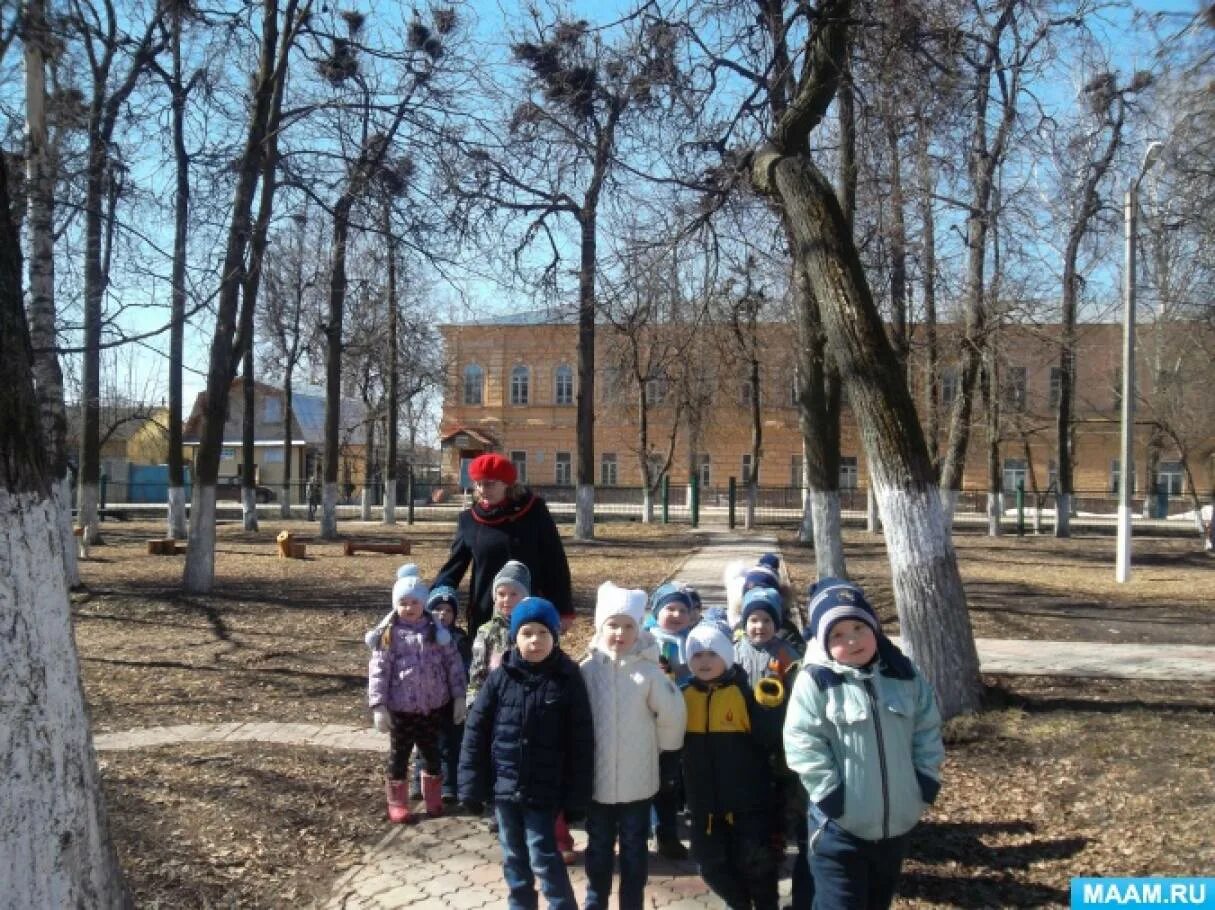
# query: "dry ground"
[[1060, 778]]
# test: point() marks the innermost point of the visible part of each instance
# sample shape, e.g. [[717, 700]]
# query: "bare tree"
[[55, 843]]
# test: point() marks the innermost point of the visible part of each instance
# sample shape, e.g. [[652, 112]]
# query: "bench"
[[398, 548], [165, 547]]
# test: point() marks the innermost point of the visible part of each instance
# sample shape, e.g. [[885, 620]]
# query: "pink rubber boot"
[[432, 787], [398, 803]]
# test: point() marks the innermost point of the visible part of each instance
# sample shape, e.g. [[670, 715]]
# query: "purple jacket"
[[416, 671]]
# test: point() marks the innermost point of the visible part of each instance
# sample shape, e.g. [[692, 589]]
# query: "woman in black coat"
[[507, 521]]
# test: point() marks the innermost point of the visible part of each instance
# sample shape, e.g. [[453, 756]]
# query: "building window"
[[1169, 478], [1014, 474], [520, 382], [1116, 476], [609, 383], [607, 469], [704, 463], [519, 460], [563, 474], [563, 385], [850, 472], [1056, 387], [474, 381], [656, 390], [795, 472], [1014, 388], [949, 386], [272, 409], [746, 469]]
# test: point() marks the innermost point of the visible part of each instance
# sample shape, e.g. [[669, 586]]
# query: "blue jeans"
[[529, 851], [854, 874], [604, 821]]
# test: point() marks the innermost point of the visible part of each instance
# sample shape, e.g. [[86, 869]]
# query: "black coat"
[[522, 530], [529, 738]]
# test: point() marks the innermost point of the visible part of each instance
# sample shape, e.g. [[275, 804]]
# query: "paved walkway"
[[454, 862]]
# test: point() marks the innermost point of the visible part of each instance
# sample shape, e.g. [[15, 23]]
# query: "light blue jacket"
[[866, 743]]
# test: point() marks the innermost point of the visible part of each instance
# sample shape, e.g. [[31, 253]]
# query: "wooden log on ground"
[[82, 542], [398, 548]]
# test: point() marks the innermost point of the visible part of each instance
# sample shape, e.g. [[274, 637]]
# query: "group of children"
[[727, 710]]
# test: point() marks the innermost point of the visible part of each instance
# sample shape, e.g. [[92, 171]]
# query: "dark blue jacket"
[[529, 737]]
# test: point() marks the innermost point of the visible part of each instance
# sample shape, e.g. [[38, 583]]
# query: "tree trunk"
[[757, 442], [584, 510], [40, 197], [927, 585], [390, 458], [995, 475], [199, 572], [181, 214], [819, 420], [55, 844], [928, 255], [898, 245], [248, 479], [368, 491], [284, 508], [90, 394], [333, 364], [873, 518]]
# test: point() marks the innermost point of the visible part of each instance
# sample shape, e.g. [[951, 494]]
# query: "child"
[[638, 713], [864, 734], [511, 584], [442, 605], [527, 746], [766, 573], [727, 755], [671, 610], [759, 651], [414, 680]]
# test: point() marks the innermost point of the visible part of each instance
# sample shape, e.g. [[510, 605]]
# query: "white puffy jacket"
[[638, 712]]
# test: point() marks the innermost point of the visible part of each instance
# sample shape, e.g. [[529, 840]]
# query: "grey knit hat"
[[517, 575]]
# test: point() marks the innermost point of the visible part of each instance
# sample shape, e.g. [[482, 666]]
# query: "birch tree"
[[55, 845]]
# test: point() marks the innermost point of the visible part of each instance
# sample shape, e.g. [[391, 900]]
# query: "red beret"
[[492, 466]]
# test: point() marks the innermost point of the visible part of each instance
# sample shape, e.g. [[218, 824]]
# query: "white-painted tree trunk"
[[198, 577], [390, 503], [749, 513], [873, 518], [1063, 515], [62, 490], [55, 849], [284, 503], [647, 506], [949, 505], [177, 514], [805, 529], [329, 495], [248, 508], [995, 508], [86, 513], [584, 512], [828, 540], [365, 504], [927, 590]]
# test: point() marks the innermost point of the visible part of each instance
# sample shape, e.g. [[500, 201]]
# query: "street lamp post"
[[1126, 467]]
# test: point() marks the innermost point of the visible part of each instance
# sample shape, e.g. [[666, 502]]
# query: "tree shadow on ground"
[[991, 884]]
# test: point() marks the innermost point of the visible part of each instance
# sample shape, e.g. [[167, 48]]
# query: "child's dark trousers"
[[854, 874], [409, 730], [734, 853]]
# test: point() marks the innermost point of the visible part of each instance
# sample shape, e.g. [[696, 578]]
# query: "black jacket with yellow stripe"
[[729, 746]]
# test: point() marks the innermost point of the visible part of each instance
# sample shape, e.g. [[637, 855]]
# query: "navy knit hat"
[[668, 593], [535, 609], [834, 599], [771, 560], [761, 576], [766, 599], [444, 594]]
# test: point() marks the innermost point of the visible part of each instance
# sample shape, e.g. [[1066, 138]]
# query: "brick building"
[[512, 383]]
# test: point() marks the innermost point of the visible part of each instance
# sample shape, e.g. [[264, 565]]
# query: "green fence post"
[[733, 499], [409, 493], [666, 499], [695, 504], [1020, 508]]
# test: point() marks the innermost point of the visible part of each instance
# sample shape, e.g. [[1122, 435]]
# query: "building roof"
[[307, 411], [558, 315]]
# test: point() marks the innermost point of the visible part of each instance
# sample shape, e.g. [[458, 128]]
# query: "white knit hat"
[[707, 637], [616, 601]]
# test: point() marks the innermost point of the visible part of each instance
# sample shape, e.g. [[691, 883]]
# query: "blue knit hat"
[[771, 560], [535, 609], [667, 593], [834, 599], [766, 599], [444, 594], [761, 576]]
